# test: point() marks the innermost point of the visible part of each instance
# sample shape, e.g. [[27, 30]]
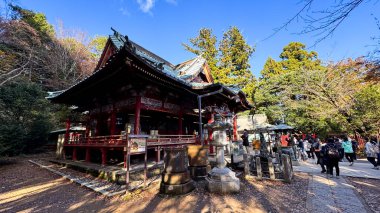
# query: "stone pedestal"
[[222, 180], [198, 161], [199, 172], [177, 189], [176, 177]]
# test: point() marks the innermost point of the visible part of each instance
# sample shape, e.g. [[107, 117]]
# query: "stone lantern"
[[221, 179]]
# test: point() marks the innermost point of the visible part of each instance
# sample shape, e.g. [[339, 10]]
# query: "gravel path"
[[332, 195], [29, 188], [369, 189]]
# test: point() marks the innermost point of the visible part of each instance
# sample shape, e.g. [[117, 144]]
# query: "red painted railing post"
[[104, 156], [209, 139], [74, 153], [67, 134], [88, 155], [235, 128], [158, 154]]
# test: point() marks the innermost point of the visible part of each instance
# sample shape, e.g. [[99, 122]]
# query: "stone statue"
[[263, 146]]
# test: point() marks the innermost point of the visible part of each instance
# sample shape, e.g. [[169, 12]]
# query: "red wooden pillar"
[[67, 134], [235, 128], [74, 153], [137, 115], [88, 155], [180, 115], [104, 156], [158, 154], [125, 159], [210, 120], [113, 123]]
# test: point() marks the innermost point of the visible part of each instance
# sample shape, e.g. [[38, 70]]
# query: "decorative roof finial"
[[117, 34]]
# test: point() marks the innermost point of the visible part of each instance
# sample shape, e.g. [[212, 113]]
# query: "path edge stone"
[[309, 194], [75, 180]]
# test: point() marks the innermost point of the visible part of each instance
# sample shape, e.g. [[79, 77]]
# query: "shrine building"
[[135, 92]]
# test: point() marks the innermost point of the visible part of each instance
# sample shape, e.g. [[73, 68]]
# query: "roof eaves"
[[86, 78]]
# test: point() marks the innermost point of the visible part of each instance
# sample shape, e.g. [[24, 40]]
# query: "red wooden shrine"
[[134, 91]]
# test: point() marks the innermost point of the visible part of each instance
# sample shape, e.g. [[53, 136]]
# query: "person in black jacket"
[[332, 153], [245, 140], [354, 147]]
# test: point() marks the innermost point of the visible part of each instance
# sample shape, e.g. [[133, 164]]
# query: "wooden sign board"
[[137, 145]]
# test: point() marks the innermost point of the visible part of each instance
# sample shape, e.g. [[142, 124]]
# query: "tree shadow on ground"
[[30, 188]]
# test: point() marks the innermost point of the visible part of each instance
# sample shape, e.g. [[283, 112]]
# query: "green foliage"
[[25, 118], [277, 88], [205, 45], [234, 61], [97, 45], [229, 64], [315, 98], [34, 60], [293, 57], [36, 20], [366, 109]]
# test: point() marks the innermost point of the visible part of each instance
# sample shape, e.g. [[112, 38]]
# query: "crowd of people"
[[330, 152]]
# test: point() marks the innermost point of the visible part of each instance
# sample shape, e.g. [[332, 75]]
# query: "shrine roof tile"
[[196, 85], [118, 44], [190, 69], [182, 72]]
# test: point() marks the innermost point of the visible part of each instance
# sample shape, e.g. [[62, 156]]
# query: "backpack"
[[315, 145], [333, 152]]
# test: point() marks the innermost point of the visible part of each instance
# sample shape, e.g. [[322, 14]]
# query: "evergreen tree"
[[294, 56], [25, 118], [278, 76], [36, 20], [205, 45], [229, 64], [234, 61]]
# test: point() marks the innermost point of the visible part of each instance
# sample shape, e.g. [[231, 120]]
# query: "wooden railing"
[[159, 140], [171, 139]]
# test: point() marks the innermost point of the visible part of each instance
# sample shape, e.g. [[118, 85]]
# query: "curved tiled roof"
[[182, 73]]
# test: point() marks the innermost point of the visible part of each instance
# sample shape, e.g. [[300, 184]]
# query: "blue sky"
[[162, 25]]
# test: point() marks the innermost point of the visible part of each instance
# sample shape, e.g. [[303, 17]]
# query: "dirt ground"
[[369, 189], [25, 187]]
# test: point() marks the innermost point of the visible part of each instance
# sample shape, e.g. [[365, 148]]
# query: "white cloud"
[[146, 5], [124, 11]]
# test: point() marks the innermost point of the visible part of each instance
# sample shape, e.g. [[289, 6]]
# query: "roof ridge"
[[123, 39]]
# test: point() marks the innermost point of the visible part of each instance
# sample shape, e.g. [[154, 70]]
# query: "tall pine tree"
[[229, 63], [234, 60], [205, 44]]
